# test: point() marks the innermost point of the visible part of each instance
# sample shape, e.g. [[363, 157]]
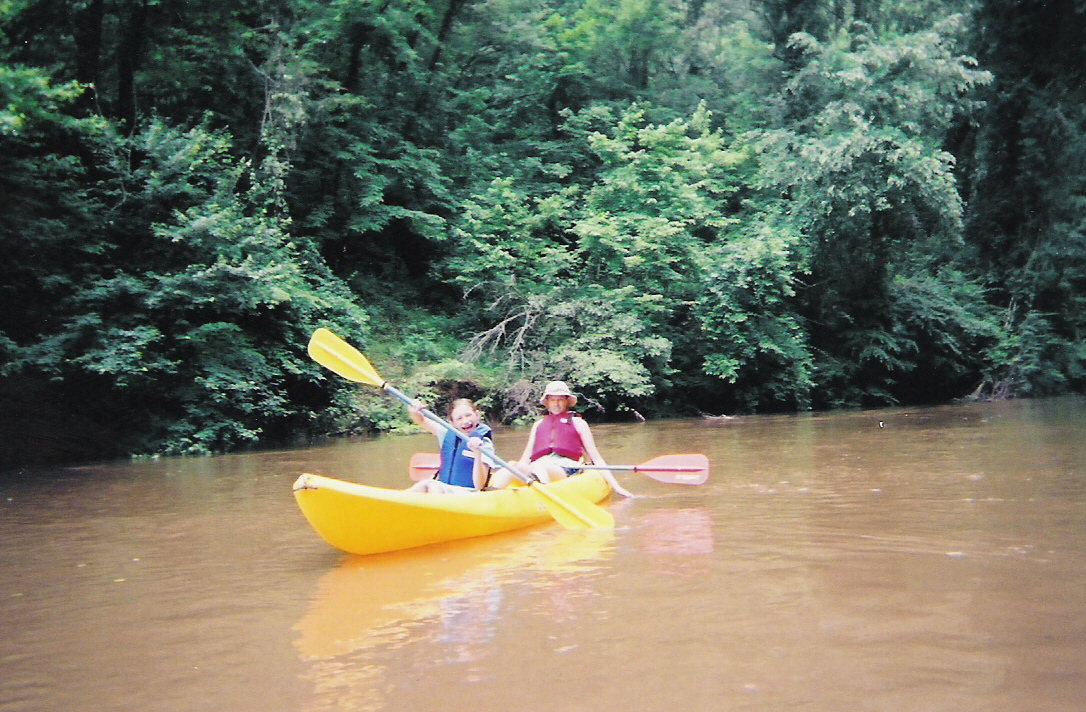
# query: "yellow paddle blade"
[[573, 512], [334, 353]]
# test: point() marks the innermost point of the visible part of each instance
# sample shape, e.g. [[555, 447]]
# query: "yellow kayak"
[[360, 519]]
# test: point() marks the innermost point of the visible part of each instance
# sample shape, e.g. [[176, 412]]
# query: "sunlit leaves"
[[753, 338], [29, 99], [595, 280], [660, 187]]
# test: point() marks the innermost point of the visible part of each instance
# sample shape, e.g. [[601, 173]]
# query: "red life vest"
[[556, 434]]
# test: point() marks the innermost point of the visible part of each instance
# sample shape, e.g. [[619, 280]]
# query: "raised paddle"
[[670, 469], [568, 509]]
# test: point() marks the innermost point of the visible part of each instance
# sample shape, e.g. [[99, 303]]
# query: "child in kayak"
[[559, 443], [463, 470]]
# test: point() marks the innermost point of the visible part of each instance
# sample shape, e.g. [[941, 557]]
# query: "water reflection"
[[450, 597], [678, 542]]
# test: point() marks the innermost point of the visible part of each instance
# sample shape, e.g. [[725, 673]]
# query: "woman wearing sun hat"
[[559, 442]]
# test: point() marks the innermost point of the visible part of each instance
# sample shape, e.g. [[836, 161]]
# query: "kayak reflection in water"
[[463, 469], [559, 443]]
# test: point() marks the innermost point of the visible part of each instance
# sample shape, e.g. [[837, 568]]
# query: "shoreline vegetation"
[[677, 207]]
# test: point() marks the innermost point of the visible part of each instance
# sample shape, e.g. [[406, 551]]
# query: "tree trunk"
[[88, 40], [128, 61]]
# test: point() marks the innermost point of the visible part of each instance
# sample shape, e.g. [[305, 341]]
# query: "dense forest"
[[678, 206]]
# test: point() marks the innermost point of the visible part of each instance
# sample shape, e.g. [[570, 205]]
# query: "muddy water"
[[894, 560]]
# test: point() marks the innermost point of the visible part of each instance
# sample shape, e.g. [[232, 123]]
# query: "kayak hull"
[[361, 519]]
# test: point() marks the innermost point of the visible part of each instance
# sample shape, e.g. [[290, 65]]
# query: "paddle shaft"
[[638, 468], [670, 475], [427, 465], [686, 469]]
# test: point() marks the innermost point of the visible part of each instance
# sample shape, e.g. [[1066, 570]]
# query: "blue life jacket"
[[457, 461]]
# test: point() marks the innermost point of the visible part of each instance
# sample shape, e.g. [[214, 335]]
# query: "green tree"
[[47, 234], [752, 337], [859, 165], [1026, 222], [723, 206], [188, 306], [597, 282]]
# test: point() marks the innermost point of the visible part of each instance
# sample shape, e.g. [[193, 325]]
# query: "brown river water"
[[898, 560]]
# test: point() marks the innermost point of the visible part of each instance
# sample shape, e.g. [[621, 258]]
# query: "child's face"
[[556, 404], [464, 417]]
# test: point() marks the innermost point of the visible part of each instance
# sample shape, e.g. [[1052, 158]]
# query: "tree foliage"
[[1026, 225], [857, 151], [677, 205]]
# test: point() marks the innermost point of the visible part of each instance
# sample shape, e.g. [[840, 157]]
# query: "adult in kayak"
[[559, 443], [463, 469]]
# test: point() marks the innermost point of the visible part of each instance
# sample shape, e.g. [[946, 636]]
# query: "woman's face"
[[556, 404], [464, 417]]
